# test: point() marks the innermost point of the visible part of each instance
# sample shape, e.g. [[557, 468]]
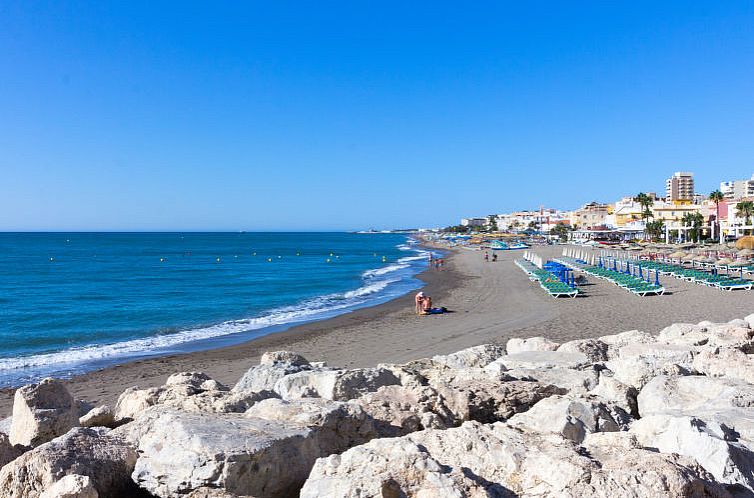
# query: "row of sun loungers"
[[722, 282], [548, 281], [631, 283]]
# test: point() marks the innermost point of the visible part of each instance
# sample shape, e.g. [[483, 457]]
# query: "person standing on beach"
[[486, 257]]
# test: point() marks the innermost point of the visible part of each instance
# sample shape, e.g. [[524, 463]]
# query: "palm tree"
[[717, 197], [745, 209], [646, 203], [693, 220]]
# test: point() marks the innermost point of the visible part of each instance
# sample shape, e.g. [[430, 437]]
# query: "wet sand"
[[491, 302]]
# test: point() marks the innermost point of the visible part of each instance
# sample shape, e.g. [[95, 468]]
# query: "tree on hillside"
[[745, 210], [717, 197]]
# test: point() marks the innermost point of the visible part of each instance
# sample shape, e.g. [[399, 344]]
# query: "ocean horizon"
[[72, 302]]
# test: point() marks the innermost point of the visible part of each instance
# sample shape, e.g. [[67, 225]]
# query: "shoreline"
[[491, 302], [104, 385]]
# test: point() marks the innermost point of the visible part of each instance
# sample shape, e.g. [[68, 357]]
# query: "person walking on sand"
[[486, 257]]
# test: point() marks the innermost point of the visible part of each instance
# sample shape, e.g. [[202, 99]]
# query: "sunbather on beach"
[[418, 300]]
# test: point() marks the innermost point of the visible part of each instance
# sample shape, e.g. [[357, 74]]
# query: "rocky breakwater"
[[629, 414]]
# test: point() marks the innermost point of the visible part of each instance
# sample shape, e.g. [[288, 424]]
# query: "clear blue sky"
[[341, 115]]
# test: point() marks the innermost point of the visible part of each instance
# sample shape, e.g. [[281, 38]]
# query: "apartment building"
[[680, 187]]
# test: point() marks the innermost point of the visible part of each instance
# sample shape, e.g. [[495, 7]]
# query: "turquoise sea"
[[72, 302]]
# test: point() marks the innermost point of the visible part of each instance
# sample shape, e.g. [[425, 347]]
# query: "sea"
[[75, 302]]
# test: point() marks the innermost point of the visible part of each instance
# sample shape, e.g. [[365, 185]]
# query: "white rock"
[[636, 364], [337, 385], [594, 349], [105, 459], [5, 425], [264, 377], [517, 345], [194, 382], [284, 357], [134, 401], [477, 460], [401, 410], [539, 360], [725, 362], [617, 341], [477, 356], [42, 412], [571, 417], [715, 401], [72, 486], [8, 451], [623, 395], [101, 416], [575, 381], [182, 451], [712, 445]]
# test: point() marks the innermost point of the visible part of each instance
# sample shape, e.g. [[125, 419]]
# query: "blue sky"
[[340, 115]]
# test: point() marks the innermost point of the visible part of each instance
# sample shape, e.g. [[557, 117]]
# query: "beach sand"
[[491, 302]]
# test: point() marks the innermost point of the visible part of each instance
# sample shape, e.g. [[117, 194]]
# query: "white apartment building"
[[738, 189], [680, 187], [473, 222]]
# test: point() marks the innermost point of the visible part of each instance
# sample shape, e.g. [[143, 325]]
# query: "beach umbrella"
[[657, 278], [677, 254]]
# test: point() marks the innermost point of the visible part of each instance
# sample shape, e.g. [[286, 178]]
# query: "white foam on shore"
[[374, 282]]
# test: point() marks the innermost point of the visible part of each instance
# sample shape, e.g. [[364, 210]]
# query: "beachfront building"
[[542, 219], [627, 211], [591, 215], [738, 189], [473, 222], [680, 187]]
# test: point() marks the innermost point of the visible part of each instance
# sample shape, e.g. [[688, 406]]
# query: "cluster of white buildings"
[[625, 217]]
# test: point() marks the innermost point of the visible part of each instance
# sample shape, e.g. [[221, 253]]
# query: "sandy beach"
[[491, 302]]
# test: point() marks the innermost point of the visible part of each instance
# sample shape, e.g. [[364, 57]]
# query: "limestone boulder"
[[477, 356], [714, 446], [575, 381], [714, 401], [9, 451], [273, 366], [283, 357], [517, 345], [611, 389], [539, 360], [400, 410], [194, 382], [735, 334], [725, 362], [5, 425], [187, 393], [616, 341], [42, 412], [104, 458], [100, 416], [490, 401], [572, 417], [477, 460], [594, 349], [72, 486], [336, 385], [266, 452], [636, 364]]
